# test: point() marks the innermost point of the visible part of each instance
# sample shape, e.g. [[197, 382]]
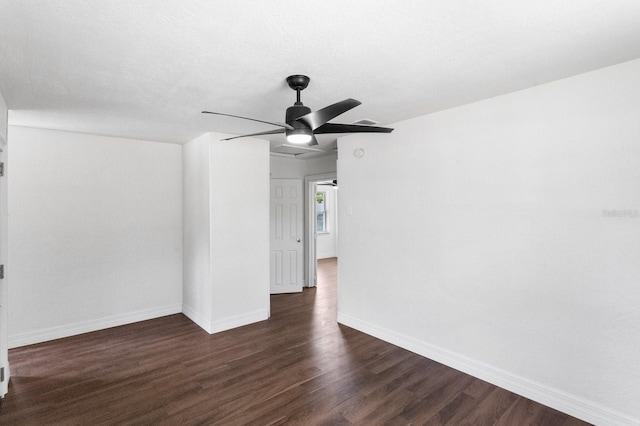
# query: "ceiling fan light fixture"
[[299, 136]]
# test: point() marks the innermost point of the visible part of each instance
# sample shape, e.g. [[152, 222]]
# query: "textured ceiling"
[[145, 69]]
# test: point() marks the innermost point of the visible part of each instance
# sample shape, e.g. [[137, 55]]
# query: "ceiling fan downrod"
[[298, 83]]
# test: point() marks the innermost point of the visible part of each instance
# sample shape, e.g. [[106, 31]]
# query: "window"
[[321, 212]]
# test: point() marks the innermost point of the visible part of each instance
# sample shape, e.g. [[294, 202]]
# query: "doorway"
[[321, 220], [326, 220]]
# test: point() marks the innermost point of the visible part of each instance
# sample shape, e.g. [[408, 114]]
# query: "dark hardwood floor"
[[299, 367]]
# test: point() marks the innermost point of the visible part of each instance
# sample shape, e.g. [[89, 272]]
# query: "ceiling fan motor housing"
[[293, 113]]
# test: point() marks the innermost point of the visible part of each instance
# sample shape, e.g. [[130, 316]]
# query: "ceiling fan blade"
[[268, 132], [286, 126], [350, 128], [317, 118]]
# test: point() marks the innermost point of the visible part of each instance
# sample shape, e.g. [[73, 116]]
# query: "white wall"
[[240, 231], [295, 168], [196, 215], [226, 214], [326, 243], [496, 256], [95, 232]]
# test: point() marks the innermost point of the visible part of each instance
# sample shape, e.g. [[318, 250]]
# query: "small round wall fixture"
[[358, 152]]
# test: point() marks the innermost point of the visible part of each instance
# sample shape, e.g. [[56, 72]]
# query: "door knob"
[[298, 240]]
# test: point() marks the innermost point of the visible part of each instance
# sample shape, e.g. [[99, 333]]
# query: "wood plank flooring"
[[299, 368]]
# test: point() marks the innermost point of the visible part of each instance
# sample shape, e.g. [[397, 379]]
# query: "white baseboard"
[[224, 323], [239, 320], [73, 329], [561, 401], [326, 255], [198, 319]]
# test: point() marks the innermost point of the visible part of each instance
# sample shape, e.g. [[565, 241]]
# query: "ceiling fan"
[[301, 125]]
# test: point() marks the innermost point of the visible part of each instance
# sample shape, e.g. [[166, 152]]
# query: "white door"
[[286, 236]]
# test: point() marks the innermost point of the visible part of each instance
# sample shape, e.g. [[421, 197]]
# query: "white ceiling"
[[144, 69]]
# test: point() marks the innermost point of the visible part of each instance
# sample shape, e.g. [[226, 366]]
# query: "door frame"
[[310, 182], [4, 329]]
